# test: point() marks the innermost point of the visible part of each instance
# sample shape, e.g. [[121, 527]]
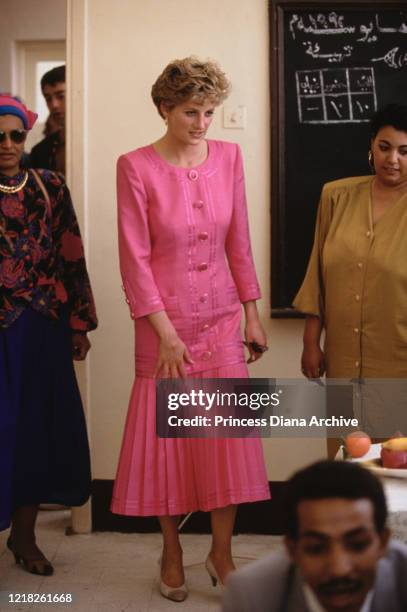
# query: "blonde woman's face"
[[188, 122]]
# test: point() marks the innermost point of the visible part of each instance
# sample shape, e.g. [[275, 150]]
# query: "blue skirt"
[[44, 451]]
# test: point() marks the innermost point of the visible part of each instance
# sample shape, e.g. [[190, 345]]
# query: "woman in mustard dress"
[[355, 288]]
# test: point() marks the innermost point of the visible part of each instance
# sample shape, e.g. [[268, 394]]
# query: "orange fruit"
[[357, 444]]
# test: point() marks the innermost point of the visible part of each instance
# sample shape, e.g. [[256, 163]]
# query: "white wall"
[[26, 20], [125, 51]]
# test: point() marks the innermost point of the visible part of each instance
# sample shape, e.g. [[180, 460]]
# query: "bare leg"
[[222, 520], [172, 571]]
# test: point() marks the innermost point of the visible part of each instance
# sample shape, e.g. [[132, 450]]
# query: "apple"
[[393, 458], [357, 444]]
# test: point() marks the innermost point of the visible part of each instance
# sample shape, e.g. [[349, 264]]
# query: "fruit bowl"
[[372, 461]]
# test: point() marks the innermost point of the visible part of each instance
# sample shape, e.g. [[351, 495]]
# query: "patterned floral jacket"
[[42, 262]]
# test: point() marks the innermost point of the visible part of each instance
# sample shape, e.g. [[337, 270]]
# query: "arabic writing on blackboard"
[[336, 95], [334, 66], [334, 25]]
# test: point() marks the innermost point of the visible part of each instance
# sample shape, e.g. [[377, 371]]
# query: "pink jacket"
[[184, 247]]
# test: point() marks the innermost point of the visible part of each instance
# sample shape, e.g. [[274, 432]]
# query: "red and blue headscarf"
[[10, 105]]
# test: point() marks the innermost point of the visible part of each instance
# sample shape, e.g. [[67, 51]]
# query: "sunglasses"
[[16, 136]]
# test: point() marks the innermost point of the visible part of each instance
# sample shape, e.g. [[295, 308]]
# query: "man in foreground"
[[337, 556]]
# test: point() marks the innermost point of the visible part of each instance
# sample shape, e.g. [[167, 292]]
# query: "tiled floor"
[[113, 572]]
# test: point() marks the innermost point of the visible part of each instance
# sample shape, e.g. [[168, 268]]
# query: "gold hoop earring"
[[370, 159]]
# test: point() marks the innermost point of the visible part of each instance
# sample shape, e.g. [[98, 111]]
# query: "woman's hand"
[[172, 358], [312, 361], [256, 340], [80, 346], [173, 353]]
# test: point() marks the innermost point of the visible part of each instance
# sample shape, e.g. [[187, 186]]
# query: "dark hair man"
[[337, 558], [50, 152]]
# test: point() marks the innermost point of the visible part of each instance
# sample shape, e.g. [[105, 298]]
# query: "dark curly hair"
[[329, 480], [394, 115], [54, 76]]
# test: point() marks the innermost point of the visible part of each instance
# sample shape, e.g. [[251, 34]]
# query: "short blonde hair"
[[190, 79]]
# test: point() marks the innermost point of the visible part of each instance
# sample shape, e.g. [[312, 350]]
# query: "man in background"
[[50, 152], [337, 555]]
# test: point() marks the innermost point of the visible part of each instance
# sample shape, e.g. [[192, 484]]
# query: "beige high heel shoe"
[[173, 593]]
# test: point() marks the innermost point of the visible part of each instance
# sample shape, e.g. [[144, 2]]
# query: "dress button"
[[203, 298], [132, 315], [206, 355], [205, 327], [202, 266], [193, 175], [368, 233], [127, 301], [123, 289], [357, 298], [357, 364], [25, 232], [360, 265], [356, 330], [203, 236], [198, 204]]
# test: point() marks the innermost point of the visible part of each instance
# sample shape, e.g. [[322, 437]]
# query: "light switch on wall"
[[234, 117]]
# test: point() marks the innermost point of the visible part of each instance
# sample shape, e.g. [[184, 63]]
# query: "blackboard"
[[332, 65]]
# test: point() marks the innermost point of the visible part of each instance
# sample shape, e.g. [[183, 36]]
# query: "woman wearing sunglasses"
[[46, 308]]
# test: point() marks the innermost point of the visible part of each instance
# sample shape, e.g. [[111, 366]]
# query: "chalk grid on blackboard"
[[336, 95]]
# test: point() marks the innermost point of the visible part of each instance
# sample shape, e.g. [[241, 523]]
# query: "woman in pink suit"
[[187, 267]]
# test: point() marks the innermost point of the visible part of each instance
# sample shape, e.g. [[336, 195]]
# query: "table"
[[395, 488]]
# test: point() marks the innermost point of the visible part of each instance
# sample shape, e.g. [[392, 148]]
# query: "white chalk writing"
[[395, 58], [336, 95]]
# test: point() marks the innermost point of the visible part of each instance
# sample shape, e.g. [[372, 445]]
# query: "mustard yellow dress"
[[356, 282]]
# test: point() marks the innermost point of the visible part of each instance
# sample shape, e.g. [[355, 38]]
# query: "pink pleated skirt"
[[170, 476]]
